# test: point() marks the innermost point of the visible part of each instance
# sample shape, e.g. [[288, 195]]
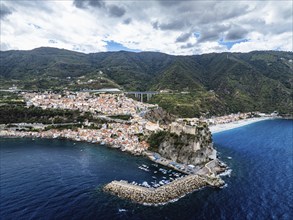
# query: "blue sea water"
[[58, 179]]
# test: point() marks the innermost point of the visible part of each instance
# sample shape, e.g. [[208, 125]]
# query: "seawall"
[[161, 195]]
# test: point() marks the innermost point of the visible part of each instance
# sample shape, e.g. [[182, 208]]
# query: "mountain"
[[216, 83]]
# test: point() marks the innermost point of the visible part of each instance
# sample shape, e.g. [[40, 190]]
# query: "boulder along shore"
[[163, 194]]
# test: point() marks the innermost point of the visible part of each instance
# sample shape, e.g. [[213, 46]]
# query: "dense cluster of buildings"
[[232, 118], [108, 104], [117, 135], [126, 136]]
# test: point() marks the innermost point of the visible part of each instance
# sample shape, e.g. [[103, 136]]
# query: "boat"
[[161, 183], [163, 170], [143, 168], [145, 184]]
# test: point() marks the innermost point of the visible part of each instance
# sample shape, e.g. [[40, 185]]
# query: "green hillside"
[[217, 83]]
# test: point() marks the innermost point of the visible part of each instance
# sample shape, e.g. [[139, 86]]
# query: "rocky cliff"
[[159, 115], [185, 143]]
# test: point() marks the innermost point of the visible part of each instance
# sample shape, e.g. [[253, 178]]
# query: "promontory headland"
[[121, 122]]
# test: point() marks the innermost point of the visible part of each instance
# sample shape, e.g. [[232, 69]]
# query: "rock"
[[159, 115], [187, 144], [166, 193]]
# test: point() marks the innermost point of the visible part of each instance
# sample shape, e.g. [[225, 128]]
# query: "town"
[[132, 134], [127, 135]]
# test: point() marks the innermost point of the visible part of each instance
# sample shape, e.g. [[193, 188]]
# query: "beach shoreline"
[[236, 124]]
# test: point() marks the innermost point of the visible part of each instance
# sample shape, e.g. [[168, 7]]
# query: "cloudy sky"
[[173, 27]]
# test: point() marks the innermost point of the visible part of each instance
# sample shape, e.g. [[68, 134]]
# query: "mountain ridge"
[[258, 80]]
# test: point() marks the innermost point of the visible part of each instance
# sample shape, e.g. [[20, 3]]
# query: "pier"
[[163, 194]]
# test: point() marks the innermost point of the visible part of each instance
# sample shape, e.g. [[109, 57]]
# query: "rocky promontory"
[[185, 141]]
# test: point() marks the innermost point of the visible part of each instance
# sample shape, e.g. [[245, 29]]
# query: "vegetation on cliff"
[[14, 110], [188, 147], [155, 139], [22, 114]]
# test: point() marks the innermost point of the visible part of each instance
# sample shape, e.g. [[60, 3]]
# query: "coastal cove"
[[63, 179]]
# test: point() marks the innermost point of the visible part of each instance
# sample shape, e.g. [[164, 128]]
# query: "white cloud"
[[151, 26], [260, 42]]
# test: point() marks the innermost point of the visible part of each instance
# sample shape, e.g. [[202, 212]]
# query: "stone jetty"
[[163, 194]]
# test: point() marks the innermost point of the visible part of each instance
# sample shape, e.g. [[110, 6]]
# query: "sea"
[[61, 179]]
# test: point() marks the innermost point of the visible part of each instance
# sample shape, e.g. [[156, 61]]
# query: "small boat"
[[145, 184], [145, 166]]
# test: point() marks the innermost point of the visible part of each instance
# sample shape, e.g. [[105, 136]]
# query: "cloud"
[[112, 10], [83, 4], [236, 33], [52, 41], [4, 11], [5, 46], [259, 42], [127, 21], [169, 3], [183, 37], [213, 33], [34, 26], [116, 11], [174, 27], [188, 45]]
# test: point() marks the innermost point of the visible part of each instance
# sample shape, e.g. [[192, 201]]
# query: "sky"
[[174, 27]]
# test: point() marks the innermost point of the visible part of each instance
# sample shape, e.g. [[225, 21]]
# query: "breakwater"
[[163, 194]]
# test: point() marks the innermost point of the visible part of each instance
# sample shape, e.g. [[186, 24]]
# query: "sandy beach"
[[235, 124]]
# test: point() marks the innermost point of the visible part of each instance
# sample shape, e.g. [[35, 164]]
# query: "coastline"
[[206, 176], [236, 124], [217, 168]]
